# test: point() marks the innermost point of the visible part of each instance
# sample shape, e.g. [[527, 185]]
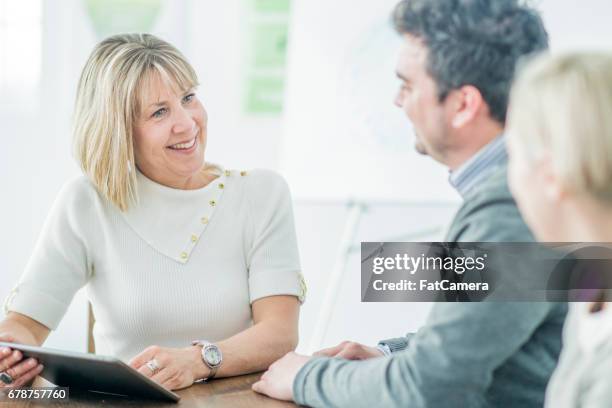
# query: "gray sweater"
[[467, 354]]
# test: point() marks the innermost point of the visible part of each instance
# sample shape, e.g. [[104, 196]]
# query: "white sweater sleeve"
[[59, 265], [272, 253]]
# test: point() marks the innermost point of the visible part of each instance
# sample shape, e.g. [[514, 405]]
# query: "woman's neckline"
[[147, 185]]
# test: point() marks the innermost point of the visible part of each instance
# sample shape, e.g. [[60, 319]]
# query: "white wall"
[[217, 50], [35, 160], [576, 25]]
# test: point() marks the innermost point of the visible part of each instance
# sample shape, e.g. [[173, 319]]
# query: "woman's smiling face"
[[170, 134]]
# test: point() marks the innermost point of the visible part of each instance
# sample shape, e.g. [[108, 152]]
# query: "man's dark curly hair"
[[473, 42]]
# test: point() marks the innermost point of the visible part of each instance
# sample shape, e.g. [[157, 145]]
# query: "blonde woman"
[[560, 144], [192, 270]]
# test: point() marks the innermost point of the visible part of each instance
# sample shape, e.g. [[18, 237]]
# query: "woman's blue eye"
[[188, 98], [159, 113]]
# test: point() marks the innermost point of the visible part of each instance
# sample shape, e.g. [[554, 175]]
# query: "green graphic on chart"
[[120, 16], [266, 56]]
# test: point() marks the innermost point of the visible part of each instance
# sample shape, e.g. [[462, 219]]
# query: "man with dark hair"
[[456, 67]]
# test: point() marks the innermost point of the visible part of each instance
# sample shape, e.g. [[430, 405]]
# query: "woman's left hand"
[[172, 368]]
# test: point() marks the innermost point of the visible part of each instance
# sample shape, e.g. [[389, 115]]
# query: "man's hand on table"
[[351, 351], [277, 382]]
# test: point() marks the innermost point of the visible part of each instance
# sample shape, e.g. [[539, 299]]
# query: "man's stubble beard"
[[420, 149], [419, 146]]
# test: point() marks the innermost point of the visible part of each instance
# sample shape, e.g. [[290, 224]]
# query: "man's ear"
[[466, 103]]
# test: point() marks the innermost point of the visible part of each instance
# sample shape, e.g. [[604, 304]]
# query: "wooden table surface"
[[225, 392]]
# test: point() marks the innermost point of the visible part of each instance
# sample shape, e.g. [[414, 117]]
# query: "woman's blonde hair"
[[561, 105], [110, 96]]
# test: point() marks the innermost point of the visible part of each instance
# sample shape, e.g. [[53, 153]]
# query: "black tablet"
[[93, 373]]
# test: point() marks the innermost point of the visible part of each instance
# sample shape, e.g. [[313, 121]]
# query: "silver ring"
[[153, 365], [6, 378]]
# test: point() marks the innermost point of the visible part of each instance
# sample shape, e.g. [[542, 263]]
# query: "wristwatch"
[[211, 356]]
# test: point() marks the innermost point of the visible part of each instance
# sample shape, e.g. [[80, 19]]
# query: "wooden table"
[[225, 392]]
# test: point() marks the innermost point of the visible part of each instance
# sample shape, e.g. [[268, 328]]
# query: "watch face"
[[212, 355]]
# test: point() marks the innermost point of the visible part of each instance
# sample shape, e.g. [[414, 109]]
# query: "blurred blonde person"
[[560, 144], [192, 270]]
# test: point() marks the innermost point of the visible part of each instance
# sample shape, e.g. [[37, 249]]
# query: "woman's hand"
[[176, 368], [21, 329], [15, 372]]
